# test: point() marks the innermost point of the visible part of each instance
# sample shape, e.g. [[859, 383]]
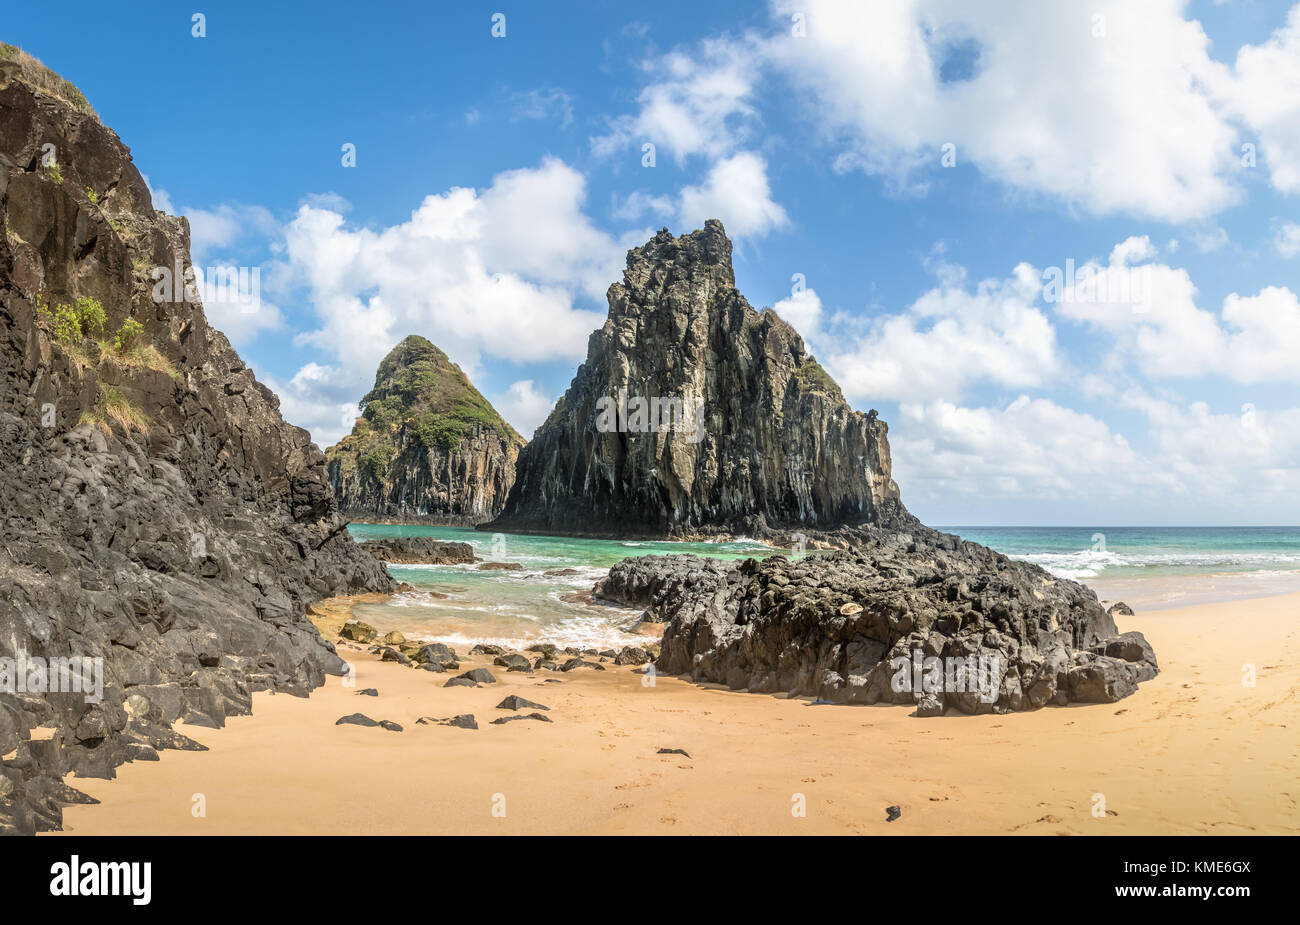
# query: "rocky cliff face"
[[694, 414], [428, 447], [158, 518]]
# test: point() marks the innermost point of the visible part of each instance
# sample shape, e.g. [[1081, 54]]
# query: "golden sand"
[[1193, 751]]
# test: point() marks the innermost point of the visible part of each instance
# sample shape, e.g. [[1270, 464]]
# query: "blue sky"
[[499, 180]]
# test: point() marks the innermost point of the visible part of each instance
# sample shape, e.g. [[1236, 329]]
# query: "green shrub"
[[90, 313], [127, 335], [92, 196], [376, 459], [55, 174], [67, 326]]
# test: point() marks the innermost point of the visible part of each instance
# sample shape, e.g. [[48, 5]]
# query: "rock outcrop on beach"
[[420, 550], [907, 615], [696, 415], [428, 447], [158, 518]]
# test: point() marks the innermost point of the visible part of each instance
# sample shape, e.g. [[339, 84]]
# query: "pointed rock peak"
[[705, 251], [428, 446]]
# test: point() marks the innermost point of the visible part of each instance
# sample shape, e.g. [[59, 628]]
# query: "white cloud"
[[1152, 314], [214, 230], [1031, 449], [1286, 239], [543, 104], [699, 102], [1207, 242], [737, 192], [1117, 122], [947, 341], [492, 273], [525, 406], [1267, 93]]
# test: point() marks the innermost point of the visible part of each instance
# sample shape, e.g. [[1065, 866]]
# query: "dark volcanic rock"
[[460, 721], [428, 447], [764, 439], [156, 511], [501, 721], [575, 663], [515, 702], [421, 550], [355, 719], [833, 626]]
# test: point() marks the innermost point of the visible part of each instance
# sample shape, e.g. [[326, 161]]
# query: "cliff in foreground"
[[162, 528]]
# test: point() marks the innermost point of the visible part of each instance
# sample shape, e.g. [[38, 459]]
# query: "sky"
[[1056, 245]]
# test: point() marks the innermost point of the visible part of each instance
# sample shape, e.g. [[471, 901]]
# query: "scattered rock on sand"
[[515, 702], [1124, 610], [357, 631], [394, 638], [484, 648], [632, 655], [512, 660], [480, 675], [460, 721], [892, 813], [573, 663], [368, 692], [509, 719], [390, 725], [673, 751], [355, 719], [460, 681], [500, 567]]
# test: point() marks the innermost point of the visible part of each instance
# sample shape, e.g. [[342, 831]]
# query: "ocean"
[[1147, 567]]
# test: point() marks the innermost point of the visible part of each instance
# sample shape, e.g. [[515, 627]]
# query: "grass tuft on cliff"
[[112, 406], [419, 395], [35, 74]]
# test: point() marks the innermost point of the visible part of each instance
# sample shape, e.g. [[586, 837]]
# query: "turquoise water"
[[1149, 567], [520, 607], [1082, 553]]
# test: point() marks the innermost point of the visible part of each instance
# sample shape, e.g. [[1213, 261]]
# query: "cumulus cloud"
[[1029, 449], [1151, 311], [1267, 93], [1080, 106], [699, 102], [945, 342], [497, 273], [736, 191], [525, 406]]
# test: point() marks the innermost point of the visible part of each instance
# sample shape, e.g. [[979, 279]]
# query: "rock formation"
[[421, 550], [428, 447], [905, 615], [694, 414], [160, 523]]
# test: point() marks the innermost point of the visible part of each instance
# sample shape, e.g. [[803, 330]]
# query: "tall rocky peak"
[[428, 446], [158, 517], [694, 414]]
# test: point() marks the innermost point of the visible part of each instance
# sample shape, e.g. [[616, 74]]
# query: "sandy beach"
[[1192, 752]]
